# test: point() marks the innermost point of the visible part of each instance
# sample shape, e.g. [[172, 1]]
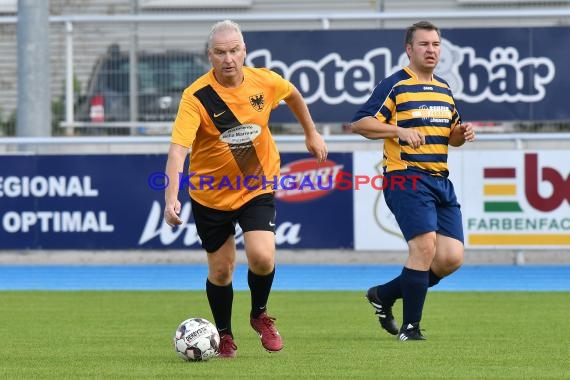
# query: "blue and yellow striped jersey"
[[406, 102]]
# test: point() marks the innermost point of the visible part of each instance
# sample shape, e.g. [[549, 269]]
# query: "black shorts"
[[215, 226]]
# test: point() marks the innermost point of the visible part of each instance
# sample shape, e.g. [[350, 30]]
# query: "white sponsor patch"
[[241, 134]]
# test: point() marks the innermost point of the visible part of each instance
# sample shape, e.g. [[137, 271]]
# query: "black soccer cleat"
[[383, 311], [411, 331]]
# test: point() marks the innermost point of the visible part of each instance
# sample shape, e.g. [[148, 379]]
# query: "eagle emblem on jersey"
[[257, 101]]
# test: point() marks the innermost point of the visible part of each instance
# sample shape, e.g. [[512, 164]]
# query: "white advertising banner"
[[509, 199], [517, 199]]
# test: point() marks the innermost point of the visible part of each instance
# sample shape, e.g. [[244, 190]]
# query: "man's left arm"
[[313, 140], [461, 133]]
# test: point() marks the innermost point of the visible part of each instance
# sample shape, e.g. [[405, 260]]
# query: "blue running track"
[[289, 277]]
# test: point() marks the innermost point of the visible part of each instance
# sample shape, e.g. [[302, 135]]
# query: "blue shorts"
[[427, 205]]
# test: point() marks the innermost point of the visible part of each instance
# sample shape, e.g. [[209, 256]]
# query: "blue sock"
[[392, 290], [414, 289], [434, 279], [389, 292]]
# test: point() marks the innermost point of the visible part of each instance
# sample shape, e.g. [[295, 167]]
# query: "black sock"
[[259, 286], [221, 300], [414, 290]]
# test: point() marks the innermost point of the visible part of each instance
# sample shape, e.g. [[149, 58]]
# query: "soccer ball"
[[196, 339]]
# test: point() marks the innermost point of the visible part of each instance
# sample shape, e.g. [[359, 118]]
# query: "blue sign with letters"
[[116, 202], [500, 74]]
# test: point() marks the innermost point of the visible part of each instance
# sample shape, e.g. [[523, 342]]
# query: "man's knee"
[[221, 273], [261, 264], [260, 251], [423, 246], [447, 262], [455, 260]]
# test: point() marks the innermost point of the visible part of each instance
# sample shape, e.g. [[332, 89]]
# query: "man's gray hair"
[[224, 25]]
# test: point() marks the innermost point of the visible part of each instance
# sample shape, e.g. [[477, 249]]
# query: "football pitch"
[[327, 334]]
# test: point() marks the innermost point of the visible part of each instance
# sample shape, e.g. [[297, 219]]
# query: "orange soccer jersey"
[[234, 157]]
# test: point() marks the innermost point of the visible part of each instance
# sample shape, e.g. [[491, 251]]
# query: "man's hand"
[[316, 146], [413, 137], [171, 211], [468, 131], [461, 133]]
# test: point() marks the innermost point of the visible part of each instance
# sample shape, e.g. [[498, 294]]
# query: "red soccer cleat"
[[264, 325], [228, 348]]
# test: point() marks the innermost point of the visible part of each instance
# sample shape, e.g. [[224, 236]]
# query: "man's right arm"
[[381, 103], [373, 129], [174, 166]]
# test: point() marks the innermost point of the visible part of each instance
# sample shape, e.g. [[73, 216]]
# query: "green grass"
[[332, 335]]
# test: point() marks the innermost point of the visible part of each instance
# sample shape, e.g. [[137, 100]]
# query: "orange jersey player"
[[223, 117]]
